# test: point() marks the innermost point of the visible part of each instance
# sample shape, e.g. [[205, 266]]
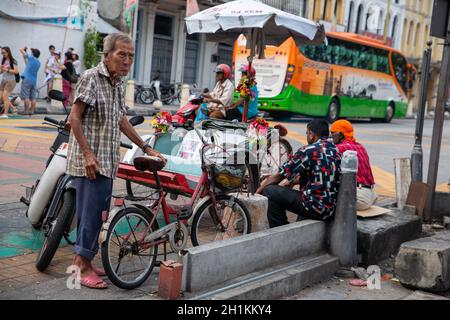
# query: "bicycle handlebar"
[[51, 120], [126, 145]]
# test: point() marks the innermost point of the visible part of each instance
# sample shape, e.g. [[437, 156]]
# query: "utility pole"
[[417, 153], [438, 123]]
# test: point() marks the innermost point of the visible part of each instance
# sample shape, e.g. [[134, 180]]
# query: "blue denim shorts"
[[27, 90]]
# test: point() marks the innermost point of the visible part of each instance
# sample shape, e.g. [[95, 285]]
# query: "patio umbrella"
[[261, 24]]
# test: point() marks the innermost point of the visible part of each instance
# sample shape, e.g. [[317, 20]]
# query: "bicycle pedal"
[[184, 213]]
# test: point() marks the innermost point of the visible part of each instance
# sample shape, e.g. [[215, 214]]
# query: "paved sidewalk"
[[19, 280]]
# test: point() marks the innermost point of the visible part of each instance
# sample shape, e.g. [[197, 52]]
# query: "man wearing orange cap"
[[342, 134]]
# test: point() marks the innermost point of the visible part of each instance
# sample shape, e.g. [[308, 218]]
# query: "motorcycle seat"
[[152, 164]]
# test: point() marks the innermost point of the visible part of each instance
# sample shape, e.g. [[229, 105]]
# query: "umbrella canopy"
[[260, 23]]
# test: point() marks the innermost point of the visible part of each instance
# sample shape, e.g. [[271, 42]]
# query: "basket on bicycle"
[[226, 168]]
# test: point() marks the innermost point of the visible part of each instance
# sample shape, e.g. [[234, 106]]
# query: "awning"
[[26, 11], [42, 13]]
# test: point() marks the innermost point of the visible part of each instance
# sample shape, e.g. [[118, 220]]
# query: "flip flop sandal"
[[100, 272], [358, 283], [93, 281]]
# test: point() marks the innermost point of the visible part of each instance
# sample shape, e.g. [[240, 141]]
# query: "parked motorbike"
[[51, 200], [166, 93]]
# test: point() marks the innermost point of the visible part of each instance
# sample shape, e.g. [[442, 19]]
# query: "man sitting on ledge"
[[342, 134], [316, 167]]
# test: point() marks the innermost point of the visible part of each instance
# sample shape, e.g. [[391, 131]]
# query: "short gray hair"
[[109, 43]]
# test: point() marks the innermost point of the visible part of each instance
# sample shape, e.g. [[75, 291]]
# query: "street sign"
[[439, 20]]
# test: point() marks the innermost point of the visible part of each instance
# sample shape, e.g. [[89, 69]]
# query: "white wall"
[[33, 35], [18, 34]]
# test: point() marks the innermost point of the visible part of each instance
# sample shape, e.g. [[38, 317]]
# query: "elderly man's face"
[[119, 61]]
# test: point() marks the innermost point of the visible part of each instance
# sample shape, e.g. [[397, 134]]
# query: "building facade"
[[416, 34], [379, 19], [163, 45]]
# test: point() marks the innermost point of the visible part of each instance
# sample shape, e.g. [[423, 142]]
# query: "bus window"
[[400, 70]]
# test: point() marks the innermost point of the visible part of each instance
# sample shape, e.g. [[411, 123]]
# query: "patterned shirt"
[[105, 105], [318, 167], [364, 175]]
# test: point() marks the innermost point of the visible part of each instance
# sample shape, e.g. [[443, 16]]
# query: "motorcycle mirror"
[[56, 95], [136, 120]]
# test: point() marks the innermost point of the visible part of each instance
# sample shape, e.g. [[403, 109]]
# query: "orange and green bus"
[[351, 77]]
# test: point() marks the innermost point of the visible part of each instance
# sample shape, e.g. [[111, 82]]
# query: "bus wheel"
[[333, 111], [390, 110]]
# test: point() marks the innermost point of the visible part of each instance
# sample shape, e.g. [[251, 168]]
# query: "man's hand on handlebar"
[[154, 153]]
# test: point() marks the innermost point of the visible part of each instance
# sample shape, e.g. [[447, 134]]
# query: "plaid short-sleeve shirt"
[[105, 105]]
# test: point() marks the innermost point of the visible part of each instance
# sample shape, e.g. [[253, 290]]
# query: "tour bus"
[[352, 76]]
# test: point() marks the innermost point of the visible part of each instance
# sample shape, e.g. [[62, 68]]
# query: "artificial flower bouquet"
[[258, 132], [244, 88], [161, 122]]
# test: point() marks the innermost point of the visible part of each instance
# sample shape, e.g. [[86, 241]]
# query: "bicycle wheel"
[[60, 224], [230, 211], [285, 150], [251, 179], [127, 260], [147, 96]]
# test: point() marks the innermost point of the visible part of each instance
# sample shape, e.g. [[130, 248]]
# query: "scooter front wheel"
[[58, 226]]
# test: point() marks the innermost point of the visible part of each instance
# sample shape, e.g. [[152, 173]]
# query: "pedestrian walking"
[[50, 70], [28, 87], [10, 72], [69, 77], [97, 117]]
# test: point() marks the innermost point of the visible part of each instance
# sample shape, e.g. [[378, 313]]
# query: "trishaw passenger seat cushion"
[[148, 163]]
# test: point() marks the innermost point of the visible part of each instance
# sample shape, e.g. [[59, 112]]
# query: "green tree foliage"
[[91, 55]]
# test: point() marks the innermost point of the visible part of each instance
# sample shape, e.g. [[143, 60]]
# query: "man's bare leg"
[[33, 106], [26, 105]]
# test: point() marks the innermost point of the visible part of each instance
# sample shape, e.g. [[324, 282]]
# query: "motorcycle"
[[51, 200], [157, 91], [187, 113]]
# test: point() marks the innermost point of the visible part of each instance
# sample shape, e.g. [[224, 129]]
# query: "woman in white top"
[[8, 70], [76, 62]]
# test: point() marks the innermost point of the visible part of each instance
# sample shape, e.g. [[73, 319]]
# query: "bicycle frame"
[[202, 189]]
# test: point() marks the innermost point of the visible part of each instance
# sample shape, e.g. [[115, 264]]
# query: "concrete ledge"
[[425, 263], [282, 281], [209, 265], [381, 237]]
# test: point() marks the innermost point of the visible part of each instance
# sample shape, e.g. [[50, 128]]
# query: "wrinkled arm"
[[75, 119]]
